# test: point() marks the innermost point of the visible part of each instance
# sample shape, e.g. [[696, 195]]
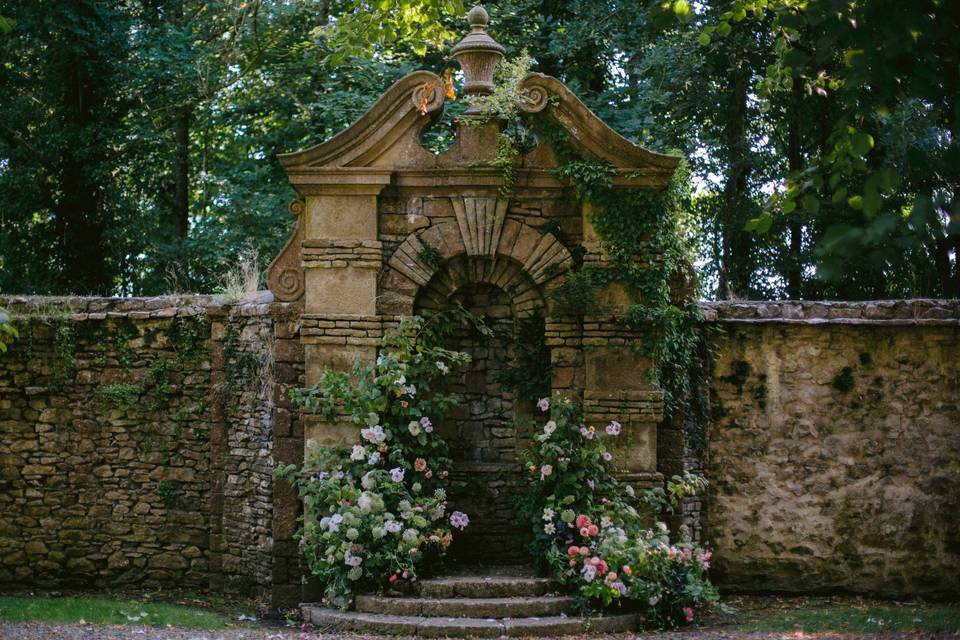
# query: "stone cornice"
[[918, 311]]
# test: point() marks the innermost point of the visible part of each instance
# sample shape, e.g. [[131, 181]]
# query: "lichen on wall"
[[834, 450]]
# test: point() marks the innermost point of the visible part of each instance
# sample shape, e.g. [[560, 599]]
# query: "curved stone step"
[[516, 607], [384, 624], [484, 586]]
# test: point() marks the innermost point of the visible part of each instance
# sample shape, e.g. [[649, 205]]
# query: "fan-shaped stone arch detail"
[[498, 271], [481, 230]]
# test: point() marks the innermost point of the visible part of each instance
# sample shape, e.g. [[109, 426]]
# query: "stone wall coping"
[[134, 308], [917, 311]]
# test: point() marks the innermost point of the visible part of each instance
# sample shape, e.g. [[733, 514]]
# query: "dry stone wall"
[[834, 451], [127, 455], [138, 437]]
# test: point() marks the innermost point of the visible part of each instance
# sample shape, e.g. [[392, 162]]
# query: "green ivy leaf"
[[762, 223], [861, 143], [811, 203], [704, 39]]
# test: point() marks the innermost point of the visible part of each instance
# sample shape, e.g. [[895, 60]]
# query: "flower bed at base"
[[378, 514], [590, 533]]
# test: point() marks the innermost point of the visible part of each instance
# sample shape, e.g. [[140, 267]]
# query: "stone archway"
[[497, 267], [482, 429]]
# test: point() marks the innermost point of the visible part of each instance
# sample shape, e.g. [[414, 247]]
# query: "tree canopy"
[[138, 138]]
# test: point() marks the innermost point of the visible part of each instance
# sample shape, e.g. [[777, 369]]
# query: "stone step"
[[484, 586], [517, 607], [385, 624]]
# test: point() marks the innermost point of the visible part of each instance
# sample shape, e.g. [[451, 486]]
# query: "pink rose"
[[688, 612]]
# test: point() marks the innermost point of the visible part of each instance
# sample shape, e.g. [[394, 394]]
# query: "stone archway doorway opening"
[[485, 430]]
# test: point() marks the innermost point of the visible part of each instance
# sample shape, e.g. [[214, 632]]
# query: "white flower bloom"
[[374, 434], [549, 529], [550, 427], [396, 474], [392, 526], [459, 520], [546, 470], [414, 428], [548, 514], [365, 502], [589, 572], [443, 367], [358, 453], [374, 458]]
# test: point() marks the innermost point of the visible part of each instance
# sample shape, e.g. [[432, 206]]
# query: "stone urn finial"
[[478, 55]]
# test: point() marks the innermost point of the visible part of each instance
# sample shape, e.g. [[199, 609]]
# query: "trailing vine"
[[503, 105], [630, 222]]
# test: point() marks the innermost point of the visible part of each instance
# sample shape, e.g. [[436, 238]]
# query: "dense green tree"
[[63, 214], [138, 138]]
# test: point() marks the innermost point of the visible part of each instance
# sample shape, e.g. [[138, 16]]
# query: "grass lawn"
[[107, 609], [836, 614]]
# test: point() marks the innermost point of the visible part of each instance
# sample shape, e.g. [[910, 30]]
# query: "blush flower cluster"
[[593, 531]]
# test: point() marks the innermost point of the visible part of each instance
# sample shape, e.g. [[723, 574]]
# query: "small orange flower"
[[448, 83]]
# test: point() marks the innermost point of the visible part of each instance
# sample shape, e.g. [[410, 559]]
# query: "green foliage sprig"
[[120, 395], [8, 332], [526, 371], [503, 105]]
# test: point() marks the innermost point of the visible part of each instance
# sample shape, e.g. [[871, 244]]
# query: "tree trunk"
[[180, 214], [794, 161], [80, 229], [735, 269]]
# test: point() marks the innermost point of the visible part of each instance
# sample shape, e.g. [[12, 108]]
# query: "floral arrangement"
[[378, 510], [589, 531]]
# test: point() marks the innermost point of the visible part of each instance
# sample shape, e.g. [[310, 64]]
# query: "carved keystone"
[[481, 222]]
